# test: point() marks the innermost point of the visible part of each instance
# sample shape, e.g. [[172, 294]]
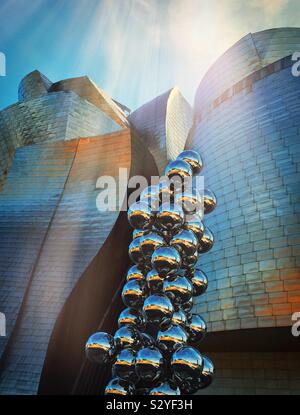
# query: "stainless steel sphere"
[[149, 364], [133, 317], [186, 364], [154, 281], [190, 261], [194, 160], [139, 232], [127, 337], [140, 215], [165, 389], [150, 195], [189, 200], [210, 201], [166, 260], [158, 309], [178, 169], [185, 242], [179, 289], [134, 293], [199, 281], [193, 223], [206, 242], [100, 348], [170, 217], [119, 386], [187, 307], [124, 366], [196, 328], [179, 318], [150, 242], [207, 375], [135, 252], [166, 191], [134, 273], [170, 339]]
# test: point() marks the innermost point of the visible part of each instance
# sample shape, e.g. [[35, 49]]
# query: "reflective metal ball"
[[158, 309], [189, 200], [170, 339], [100, 348], [170, 217], [150, 195], [196, 328], [166, 260], [127, 337], [210, 201], [179, 289], [164, 389], [119, 386], [139, 232], [193, 223], [154, 281], [166, 191], [199, 281], [135, 252], [134, 273], [185, 241], [150, 242], [186, 364], [140, 215], [131, 316], [124, 366], [134, 293], [187, 307], [178, 169], [179, 318], [193, 158], [207, 375], [149, 364], [190, 261], [206, 242]]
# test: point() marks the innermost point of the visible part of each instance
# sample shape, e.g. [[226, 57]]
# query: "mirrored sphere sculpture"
[[170, 339], [194, 223], [189, 200], [199, 281], [206, 242], [139, 232], [166, 260], [190, 261], [179, 318], [134, 293], [140, 215], [185, 242], [131, 316], [193, 158], [149, 364], [158, 310], [154, 281], [165, 389], [134, 273], [119, 386], [187, 307], [170, 217], [210, 201], [166, 191], [179, 289], [150, 242], [135, 252], [100, 348], [127, 337], [207, 375], [186, 364], [196, 328], [178, 168], [124, 365]]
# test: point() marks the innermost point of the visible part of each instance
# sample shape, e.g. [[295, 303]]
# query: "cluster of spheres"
[[154, 351]]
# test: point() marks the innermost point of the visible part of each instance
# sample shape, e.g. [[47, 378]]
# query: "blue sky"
[[133, 49]]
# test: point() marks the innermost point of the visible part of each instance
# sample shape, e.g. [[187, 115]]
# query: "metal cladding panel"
[[34, 85], [27, 204], [74, 236], [250, 143], [248, 55]]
